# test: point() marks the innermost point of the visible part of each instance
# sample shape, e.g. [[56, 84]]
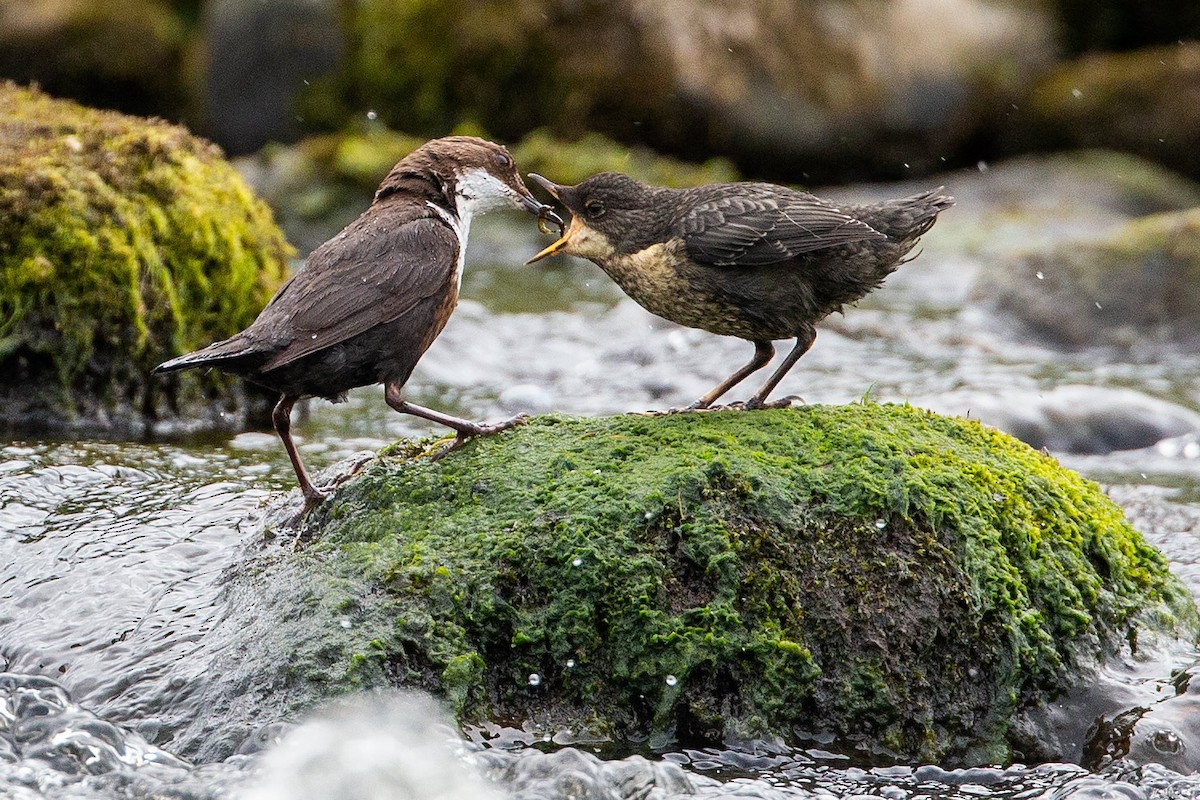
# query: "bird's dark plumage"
[[752, 224], [753, 260], [370, 301]]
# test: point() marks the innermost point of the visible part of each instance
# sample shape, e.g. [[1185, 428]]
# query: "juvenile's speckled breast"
[[716, 299]]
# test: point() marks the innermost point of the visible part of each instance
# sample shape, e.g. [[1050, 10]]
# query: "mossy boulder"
[[1145, 102], [1132, 286], [900, 582], [123, 241]]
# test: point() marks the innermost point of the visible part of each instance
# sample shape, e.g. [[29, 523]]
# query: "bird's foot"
[[666, 412], [784, 402], [466, 434], [313, 497], [355, 467]]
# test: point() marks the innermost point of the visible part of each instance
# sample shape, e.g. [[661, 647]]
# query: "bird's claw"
[[736, 405], [478, 430], [783, 402], [314, 496]]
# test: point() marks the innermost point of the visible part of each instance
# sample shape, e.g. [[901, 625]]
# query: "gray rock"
[[1074, 419], [262, 55], [1134, 284]]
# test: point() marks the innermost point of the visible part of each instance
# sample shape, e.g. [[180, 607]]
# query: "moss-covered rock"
[[903, 581], [123, 241], [1133, 285], [1145, 102]]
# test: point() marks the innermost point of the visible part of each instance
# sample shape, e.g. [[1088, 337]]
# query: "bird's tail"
[[223, 354], [906, 219]]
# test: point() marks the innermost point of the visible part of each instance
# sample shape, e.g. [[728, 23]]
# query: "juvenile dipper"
[[370, 301], [753, 260]]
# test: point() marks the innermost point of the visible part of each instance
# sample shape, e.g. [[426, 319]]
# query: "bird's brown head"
[[609, 212], [475, 176]]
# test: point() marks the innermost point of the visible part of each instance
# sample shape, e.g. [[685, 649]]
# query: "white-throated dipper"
[[753, 260], [370, 301]]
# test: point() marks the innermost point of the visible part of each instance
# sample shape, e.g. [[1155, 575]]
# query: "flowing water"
[[114, 553]]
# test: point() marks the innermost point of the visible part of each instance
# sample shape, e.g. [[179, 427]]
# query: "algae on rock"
[[902, 581], [123, 242]]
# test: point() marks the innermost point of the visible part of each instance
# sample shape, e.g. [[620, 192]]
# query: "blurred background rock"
[[812, 91]]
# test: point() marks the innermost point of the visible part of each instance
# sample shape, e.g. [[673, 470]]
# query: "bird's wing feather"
[[371, 274], [764, 227]]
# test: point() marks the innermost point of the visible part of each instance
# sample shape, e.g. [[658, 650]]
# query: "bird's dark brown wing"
[[370, 274], [764, 225]]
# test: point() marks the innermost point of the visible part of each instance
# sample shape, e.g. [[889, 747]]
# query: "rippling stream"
[[114, 552]]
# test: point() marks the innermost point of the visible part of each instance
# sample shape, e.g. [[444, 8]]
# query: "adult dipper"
[[370, 301], [753, 260]]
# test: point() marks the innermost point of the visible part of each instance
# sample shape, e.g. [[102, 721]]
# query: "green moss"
[[903, 580], [123, 242]]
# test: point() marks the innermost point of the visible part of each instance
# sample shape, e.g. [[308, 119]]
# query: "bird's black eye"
[[503, 160], [594, 208]]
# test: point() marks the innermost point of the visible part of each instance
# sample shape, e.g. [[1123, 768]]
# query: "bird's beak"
[[549, 186], [553, 188], [543, 212], [561, 244], [531, 203]]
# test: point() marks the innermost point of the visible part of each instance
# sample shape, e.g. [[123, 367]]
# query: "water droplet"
[[345, 623], [1041, 276], [1077, 93], [1098, 305], [570, 663], [314, 336], [880, 524], [577, 561], [982, 166], [1191, 450], [999, 498], [372, 115], [535, 679], [672, 680]]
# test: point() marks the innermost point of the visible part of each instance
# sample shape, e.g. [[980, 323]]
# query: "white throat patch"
[[478, 191]]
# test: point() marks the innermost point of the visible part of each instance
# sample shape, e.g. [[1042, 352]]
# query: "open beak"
[[541, 210], [562, 242], [549, 186], [564, 237]]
